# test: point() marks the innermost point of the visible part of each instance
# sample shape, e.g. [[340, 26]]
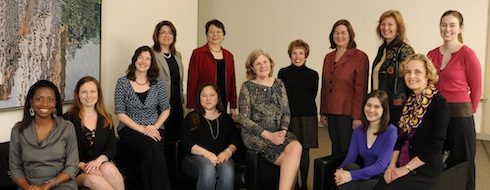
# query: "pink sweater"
[[461, 79]]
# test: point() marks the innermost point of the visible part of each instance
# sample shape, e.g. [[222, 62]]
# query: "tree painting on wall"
[[56, 40]]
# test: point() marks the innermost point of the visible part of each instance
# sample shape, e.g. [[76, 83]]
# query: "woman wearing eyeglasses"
[[215, 64], [344, 86], [169, 62]]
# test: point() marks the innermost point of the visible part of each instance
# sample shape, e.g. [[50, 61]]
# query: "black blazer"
[[104, 143], [429, 138]]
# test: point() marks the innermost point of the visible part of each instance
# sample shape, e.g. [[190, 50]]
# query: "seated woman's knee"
[[227, 168], [109, 170], [294, 147], [94, 182]]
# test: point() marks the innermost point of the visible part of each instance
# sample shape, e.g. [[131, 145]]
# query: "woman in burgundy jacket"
[[344, 85]]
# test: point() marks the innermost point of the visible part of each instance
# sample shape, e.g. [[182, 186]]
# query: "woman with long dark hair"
[[210, 138], [139, 98]]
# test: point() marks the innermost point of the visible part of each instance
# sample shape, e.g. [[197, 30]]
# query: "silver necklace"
[[211, 128], [167, 56]]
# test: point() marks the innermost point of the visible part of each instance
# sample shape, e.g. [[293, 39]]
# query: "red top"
[[461, 80], [202, 68], [344, 84]]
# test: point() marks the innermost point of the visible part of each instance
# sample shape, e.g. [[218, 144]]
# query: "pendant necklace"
[[211, 129]]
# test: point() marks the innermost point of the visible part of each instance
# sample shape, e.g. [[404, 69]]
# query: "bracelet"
[[408, 167], [52, 182], [392, 165], [229, 151]]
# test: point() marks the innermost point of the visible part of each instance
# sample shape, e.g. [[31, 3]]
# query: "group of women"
[[430, 99], [406, 112]]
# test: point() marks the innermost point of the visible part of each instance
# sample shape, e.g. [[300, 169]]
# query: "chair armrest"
[[260, 174], [453, 178], [324, 168], [174, 158], [5, 181]]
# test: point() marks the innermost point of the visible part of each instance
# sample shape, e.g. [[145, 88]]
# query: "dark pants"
[[461, 142], [154, 164], [340, 131], [173, 124], [359, 184], [411, 181]]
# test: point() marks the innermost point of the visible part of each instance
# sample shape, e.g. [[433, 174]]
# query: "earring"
[[55, 113], [31, 112]]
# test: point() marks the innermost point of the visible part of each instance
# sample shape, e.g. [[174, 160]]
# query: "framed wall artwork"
[[56, 40]]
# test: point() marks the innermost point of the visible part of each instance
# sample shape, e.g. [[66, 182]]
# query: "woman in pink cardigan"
[[461, 84]]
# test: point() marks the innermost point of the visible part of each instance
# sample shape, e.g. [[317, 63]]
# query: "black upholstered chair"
[[5, 181], [261, 174], [452, 178]]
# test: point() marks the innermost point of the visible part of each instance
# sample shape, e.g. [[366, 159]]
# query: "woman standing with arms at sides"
[[301, 85], [213, 63], [137, 98], [43, 146], [344, 86], [391, 29], [96, 139], [416, 162], [265, 116], [169, 63], [461, 84], [209, 139], [373, 142]]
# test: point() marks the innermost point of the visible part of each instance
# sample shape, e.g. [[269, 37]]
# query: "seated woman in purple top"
[[373, 142]]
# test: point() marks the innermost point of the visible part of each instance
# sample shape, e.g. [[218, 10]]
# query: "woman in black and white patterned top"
[[139, 97]]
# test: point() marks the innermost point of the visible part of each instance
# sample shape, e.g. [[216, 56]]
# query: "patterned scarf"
[[412, 115]]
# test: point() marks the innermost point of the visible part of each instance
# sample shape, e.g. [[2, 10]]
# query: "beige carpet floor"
[[482, 159]]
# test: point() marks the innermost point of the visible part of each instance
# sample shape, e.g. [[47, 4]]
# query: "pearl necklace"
[[211, 129], [167, 56]]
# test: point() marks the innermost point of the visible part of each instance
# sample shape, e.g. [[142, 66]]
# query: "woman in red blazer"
[[344, 85], [212, 63]]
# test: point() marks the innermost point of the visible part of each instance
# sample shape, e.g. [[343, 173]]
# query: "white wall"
[[127, 25], [272, 25]]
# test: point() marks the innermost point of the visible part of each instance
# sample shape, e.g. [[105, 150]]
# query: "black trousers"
[[461, 142], [173, 124], [154, 164], [340, 131]]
